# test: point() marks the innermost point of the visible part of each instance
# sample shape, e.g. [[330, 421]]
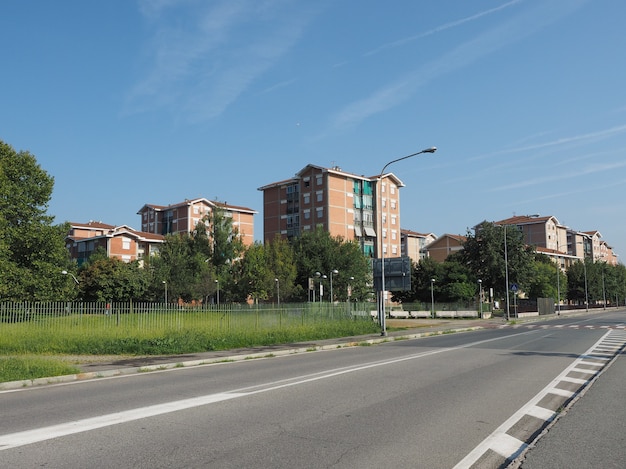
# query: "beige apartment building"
[[183, 217], [414, 244], [354, 207], [561, 242]]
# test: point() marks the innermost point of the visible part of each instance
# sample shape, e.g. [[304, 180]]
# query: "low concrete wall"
[[399, 314], [419, 314], [529, 314]]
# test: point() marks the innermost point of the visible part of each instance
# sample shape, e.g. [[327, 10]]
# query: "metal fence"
[[160, 316]]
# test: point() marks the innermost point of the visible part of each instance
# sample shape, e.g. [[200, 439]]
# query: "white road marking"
[[46, 433], [510, 447]]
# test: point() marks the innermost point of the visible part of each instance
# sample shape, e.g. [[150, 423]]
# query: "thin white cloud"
[[512, 31], [582, 189], [565, 141], [204, 55], [441, 28], [596, 168]]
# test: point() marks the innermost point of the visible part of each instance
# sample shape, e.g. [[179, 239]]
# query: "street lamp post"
[[382, 241], [558, 278], [165, 286], [585, 270], [332, 272], [506, 268], [586, 290], [480, 297], [432, 297], [217, 296], [506, 274], [277, 291], [350, 288], [603, 290]]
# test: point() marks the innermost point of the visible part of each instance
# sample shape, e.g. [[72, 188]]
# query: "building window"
[[392, 189], [393, 220], [318, 179], [319, 212], [307, 198], [319, 195], [393, 205], [125, 243]]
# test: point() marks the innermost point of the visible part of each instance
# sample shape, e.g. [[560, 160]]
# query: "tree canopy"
[[32, 249]]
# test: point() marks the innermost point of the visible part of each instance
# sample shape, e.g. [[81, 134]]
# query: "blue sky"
[[132, 102]]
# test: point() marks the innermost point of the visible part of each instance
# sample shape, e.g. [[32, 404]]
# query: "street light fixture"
[[480, 297], [65, 272], [318, 276], [165, 285], [382, 241], [277, 291], [432, 297], [332, 272]]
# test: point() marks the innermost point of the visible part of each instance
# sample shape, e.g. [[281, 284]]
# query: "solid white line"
[[46, 433]]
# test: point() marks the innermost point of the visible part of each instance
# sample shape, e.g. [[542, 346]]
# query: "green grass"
[[30, 367], [37, 352]]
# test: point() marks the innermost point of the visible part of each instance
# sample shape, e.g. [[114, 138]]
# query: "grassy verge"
[[30, 354], [33, 367]]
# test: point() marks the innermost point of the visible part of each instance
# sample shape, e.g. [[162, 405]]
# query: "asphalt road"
[[453, 400], [592, 432]]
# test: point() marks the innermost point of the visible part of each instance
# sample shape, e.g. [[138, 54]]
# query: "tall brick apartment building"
[[342, 203]]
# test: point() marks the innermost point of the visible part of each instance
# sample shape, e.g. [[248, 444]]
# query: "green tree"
[[111, 280], [421, 275], [226, 249], [484, 253], [281, 263], [576, 282], [32, 249], [177, 266], [457, 284], [255, 278], [318, 251], [453, 282], [543, 283]]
